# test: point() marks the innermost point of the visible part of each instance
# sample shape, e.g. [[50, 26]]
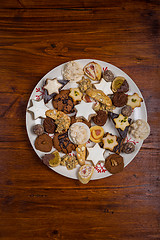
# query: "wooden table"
[[35, 202]]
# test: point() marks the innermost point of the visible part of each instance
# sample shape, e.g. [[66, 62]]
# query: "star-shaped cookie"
[[85, 110], [52, 86], [95, 154], [104, 86], [38, 108]]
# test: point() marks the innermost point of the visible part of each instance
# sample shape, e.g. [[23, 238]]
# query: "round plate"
[[138, 113]]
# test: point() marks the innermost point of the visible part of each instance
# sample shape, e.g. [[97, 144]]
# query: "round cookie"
[[101, 118], [63, 102], [62, 143], [43, 143], [128, 147], [38, 129], [114, 163], [108, 76], [126, 111], [49, 125], [119, 99]]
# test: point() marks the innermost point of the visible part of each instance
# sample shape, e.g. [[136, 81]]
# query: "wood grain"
[[35, 202]]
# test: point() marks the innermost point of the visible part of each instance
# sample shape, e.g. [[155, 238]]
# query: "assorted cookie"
[[38, 129], [62, 143], [101, 118], [43, 143], [96, 134], [114, 163], [79, 112], [52, 159], [63, 102]]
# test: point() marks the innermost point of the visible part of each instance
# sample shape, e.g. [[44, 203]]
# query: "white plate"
[[138, 113]]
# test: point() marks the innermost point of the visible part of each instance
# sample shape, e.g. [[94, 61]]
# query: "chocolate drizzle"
[[62, 143]]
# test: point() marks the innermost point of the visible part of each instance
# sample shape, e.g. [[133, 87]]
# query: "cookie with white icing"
[[38, 108], [85, 110]]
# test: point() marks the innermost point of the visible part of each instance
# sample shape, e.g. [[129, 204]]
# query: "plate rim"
[[109, 66]]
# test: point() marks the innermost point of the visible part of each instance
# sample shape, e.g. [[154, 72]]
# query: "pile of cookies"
[[82, 102]]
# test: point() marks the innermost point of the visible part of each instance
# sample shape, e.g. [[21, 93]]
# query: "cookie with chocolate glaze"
[[63, 102], [101, 118], [119, 99], [62, 143], [49, 125], [74, 120]]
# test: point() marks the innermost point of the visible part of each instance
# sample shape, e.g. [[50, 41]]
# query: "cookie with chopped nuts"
[[81, 153], [114, 163], [84, 84], [69, 161], [62, 120], [99, 95]]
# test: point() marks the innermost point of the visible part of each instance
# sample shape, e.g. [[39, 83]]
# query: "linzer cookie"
[[97, 133]]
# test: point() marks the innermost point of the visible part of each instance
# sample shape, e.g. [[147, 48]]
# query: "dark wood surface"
[[35, 202]]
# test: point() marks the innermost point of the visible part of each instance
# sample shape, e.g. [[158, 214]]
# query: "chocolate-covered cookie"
[[62, 143], [114, 163], [49, 125], [119, 99], [43, 143], [63, 102], [101, 118], [52, 159], [73, 120]]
